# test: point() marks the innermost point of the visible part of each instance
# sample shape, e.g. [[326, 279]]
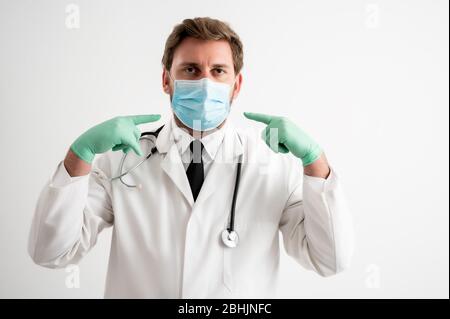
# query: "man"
[[167, 235]]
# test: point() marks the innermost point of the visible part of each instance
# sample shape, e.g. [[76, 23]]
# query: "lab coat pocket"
[[227, 274]]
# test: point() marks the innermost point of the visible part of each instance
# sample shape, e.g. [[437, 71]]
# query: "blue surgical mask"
[[201, 104]]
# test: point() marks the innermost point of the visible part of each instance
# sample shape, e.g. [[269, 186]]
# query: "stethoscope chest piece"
[[230, 238]]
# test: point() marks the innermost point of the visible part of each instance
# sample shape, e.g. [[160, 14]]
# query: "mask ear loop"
[[173, 80], [170, 76], [232, 88]]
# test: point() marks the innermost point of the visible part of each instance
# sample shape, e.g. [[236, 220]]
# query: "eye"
[[190, 70], [219, 71]]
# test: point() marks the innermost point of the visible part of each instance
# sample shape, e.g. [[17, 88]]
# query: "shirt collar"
[[211, 142]]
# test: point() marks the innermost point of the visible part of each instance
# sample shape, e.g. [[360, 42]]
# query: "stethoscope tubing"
[[229, 236]]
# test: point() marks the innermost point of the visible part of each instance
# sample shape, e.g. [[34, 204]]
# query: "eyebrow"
[[216, 65]]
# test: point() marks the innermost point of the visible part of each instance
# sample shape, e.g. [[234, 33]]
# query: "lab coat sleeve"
[[316, 224], [69, 215]]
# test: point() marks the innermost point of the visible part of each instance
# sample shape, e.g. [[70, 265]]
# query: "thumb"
[[133, 144]]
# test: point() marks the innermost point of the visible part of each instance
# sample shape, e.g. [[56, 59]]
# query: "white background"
[[367, 79]]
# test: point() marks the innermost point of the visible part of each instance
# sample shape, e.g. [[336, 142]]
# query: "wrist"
[[313, 155], [76, 166], [318, 168], [82, 152]]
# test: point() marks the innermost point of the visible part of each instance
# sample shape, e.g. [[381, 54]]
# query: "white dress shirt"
[[211, 144]]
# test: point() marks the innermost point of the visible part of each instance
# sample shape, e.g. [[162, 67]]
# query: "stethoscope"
[[229, 235]]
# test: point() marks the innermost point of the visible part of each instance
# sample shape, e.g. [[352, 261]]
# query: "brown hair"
[[204, 29]]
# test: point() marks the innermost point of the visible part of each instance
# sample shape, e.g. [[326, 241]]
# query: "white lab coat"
[[166, 246]]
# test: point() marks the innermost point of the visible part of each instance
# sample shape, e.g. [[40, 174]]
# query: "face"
[[195, 59]]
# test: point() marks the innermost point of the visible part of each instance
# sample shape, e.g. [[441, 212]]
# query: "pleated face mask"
[[201, 104]]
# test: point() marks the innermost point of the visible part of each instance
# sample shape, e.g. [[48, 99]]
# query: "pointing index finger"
[[141, 119], [259, 117]]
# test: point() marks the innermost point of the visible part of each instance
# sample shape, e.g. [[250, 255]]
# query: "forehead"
[[208, 52]]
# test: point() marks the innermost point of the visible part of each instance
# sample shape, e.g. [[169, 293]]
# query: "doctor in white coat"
[[167, 233]]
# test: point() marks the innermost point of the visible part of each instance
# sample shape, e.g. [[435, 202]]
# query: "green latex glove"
[[291, 138], [119, 133]]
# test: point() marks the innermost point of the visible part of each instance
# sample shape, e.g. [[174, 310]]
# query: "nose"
[[206, 73]]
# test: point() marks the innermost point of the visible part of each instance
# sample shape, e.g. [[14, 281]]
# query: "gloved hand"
[[119, 133], [290, 137]]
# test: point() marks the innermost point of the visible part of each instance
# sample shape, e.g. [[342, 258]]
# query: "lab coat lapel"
[[171, 163], [223, 166]]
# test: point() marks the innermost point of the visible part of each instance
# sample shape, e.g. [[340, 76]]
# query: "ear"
[[165, 81], [237, 86]]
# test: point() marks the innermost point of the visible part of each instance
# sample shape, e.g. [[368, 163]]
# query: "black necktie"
[[195, 170]]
